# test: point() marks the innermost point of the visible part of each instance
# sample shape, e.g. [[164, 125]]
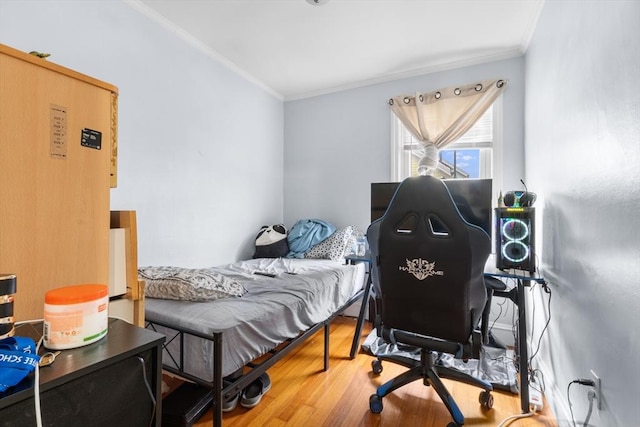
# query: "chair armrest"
[[494, 284]]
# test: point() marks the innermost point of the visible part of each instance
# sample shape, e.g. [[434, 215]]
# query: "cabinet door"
[[117, 395], [55, 147]]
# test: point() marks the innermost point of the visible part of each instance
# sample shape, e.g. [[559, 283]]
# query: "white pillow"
[[335, 246], [188, 284]]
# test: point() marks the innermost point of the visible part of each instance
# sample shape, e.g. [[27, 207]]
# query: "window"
[[476, 154]]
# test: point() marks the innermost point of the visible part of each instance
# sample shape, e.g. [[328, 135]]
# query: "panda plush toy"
[[271, 242]]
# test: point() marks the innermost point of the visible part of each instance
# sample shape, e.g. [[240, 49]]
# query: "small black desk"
[[354, 259], [97, 384], [517, 296]]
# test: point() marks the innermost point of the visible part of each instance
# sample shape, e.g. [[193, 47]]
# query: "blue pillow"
[[307, 233]]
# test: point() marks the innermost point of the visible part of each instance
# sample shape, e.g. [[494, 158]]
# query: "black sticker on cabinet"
[[91, 138]]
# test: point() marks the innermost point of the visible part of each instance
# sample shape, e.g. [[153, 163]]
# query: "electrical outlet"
[[598, 389], [535, 400], [535, 397]]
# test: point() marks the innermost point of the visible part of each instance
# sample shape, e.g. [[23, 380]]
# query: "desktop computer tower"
[[515, 239]]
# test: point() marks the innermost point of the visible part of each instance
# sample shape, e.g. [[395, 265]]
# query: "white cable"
[[515, 417], [36, 389], [28, 321], [591, 396], [36, 397]]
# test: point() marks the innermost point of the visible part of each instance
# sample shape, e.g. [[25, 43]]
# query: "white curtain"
[[440, 117]]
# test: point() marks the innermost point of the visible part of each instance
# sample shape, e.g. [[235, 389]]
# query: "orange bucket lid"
[[76, 294]]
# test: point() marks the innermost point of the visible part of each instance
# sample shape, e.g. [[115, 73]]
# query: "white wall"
[[336, 145], [200, 148], [582, 157]]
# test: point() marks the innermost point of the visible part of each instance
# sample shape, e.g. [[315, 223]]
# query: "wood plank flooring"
[[302, 394]]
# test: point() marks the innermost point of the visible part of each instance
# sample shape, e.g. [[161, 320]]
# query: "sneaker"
[[252, 395], [230, 405]]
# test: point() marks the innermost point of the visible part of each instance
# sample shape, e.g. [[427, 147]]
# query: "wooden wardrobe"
[[57, 165]]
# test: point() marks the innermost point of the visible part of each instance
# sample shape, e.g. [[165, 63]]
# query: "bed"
[[283, 302]]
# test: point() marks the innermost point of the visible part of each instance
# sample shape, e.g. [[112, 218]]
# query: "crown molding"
[[188, 38], [444, 66]]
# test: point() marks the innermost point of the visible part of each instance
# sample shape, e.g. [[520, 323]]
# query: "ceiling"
[[295, 49]]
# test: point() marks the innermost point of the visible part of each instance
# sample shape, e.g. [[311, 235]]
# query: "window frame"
[[493, 155]]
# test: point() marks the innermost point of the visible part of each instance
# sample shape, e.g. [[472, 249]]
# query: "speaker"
[[515, 239], [519, 199]]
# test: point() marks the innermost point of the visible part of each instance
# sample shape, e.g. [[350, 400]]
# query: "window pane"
[[462, 163]]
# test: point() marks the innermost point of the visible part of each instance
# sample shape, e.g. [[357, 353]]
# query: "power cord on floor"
[[512, 418]]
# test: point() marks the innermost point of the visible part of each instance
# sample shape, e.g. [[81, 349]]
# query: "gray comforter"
[[274, 309]]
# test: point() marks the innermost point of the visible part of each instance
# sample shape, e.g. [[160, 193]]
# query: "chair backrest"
[[428, 263]]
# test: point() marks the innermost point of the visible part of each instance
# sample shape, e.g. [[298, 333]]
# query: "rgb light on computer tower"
[[515, 238]]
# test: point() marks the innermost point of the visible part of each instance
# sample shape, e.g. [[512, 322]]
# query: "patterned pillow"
[[335, 246], [188, 284]]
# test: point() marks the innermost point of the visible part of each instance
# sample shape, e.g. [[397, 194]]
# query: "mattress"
[[302, 293]]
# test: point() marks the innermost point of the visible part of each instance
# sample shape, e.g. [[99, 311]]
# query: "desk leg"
[[363, 308], [523, 354], [157, 367]]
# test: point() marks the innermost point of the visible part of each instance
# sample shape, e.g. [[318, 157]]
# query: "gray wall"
[[200, 147], [582, 156]]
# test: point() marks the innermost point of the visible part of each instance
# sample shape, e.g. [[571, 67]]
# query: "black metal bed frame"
[[222, 392]]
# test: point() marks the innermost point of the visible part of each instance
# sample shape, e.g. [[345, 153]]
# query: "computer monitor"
[[472, 197], [381, 195]]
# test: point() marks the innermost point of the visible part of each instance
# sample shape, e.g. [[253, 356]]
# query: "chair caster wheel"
[[486, 399], [376, 367], [453, 424], [375, 403]]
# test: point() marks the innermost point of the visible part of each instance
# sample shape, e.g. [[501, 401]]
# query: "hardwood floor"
[[303, 395]]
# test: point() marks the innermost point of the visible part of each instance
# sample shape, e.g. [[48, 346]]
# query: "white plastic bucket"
[[75, 316]]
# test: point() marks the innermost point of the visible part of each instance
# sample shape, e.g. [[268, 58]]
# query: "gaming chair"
[[427, 272]]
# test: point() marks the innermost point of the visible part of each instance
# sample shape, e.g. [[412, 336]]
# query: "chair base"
[[431, 374]]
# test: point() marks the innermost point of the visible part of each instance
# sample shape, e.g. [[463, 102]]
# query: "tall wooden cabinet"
[[57, 164]]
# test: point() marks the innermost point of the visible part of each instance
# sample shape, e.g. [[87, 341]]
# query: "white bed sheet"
[[273, 310]]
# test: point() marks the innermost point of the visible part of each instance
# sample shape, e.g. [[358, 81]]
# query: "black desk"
[[100, 384], [517, 296], [354, 259]]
